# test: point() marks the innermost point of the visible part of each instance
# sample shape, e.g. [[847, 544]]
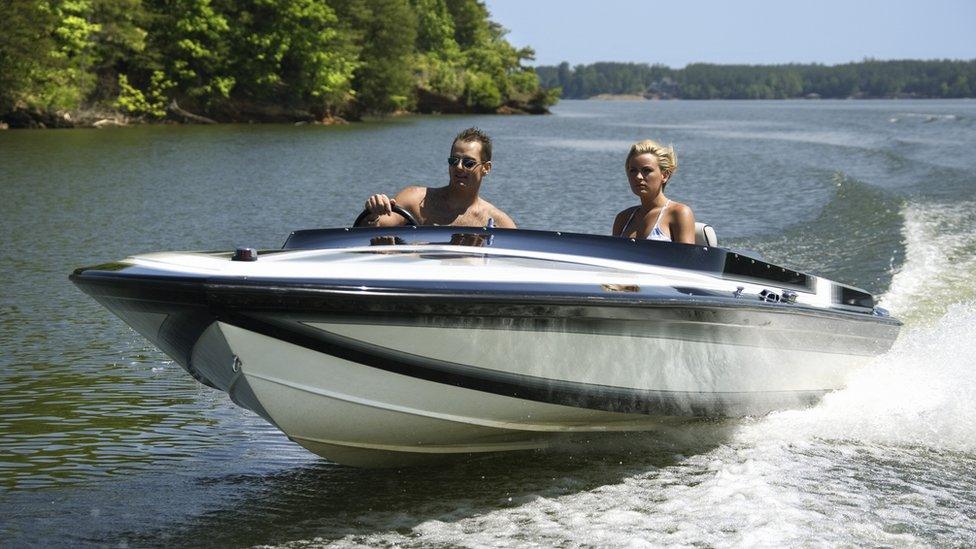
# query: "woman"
[[649, 167]]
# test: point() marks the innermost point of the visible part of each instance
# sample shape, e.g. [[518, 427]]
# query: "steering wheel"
[[396, 209]]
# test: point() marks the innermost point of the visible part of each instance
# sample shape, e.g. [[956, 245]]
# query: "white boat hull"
[[364, 416], [389, 346]]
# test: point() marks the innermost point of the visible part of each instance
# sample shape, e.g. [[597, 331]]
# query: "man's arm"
[[502, 220], [381, 212]]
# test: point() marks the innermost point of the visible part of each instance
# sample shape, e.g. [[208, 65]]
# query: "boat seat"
[[705, 234]]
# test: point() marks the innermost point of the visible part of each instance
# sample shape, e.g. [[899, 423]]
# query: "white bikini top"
[[656, 232]]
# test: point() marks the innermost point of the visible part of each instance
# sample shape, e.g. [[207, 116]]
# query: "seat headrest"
[[705, 234]]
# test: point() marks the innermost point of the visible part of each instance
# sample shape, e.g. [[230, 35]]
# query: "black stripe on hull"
[[565, 393], [277, 311]]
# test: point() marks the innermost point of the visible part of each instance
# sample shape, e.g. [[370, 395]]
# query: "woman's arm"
[[682, 224], [619, 222]]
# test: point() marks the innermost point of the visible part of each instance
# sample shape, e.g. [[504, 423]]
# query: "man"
[[458, 203]]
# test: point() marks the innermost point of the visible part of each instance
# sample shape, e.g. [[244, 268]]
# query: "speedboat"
[[389, 346]]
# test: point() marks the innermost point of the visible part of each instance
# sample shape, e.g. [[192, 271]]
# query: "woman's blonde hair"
[[667, 160]]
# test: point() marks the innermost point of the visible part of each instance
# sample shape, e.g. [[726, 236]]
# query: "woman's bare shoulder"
[[681, 210], [626, 211], [621, 219]]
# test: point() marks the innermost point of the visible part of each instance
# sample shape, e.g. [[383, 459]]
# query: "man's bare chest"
[[472, 217]]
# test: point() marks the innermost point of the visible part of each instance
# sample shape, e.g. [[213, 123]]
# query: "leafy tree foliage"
[[46, 54], [289, 52], [247, 59], [435, 29], [387, 30], [25, 42], [120, 39], [470, 22]]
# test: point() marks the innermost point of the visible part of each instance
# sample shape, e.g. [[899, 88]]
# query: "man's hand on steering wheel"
[[379, 205]]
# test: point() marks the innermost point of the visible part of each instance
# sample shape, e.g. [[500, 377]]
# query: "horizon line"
[[650, 64]]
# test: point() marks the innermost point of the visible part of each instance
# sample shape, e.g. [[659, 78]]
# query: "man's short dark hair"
[[474, 134]]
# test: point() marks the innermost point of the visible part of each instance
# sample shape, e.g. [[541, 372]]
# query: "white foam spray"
[[887, 461], [868, 466], [940, 264], [919, 394]]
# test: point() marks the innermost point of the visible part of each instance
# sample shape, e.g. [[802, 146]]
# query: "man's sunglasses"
[[466, 163]]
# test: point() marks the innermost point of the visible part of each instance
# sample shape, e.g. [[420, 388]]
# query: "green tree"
[[290, 52], [385, 79], [471, 23], [119, 43], [25, 46], [231, 59], [192, 40], [438, 67], [435, 30]]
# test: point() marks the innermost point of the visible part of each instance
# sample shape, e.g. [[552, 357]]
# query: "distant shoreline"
[[100, 118], [869, 79], [634, 97]]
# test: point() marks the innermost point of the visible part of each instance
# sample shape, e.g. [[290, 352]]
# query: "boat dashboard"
[[727, 264]]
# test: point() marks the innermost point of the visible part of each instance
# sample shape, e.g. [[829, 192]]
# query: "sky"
[[680, 32]]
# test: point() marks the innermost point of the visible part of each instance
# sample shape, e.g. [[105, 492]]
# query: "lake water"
[[105, 441]]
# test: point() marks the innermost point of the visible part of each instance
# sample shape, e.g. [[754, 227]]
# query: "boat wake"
[[919, 393], [924, 117], [916, 395], [875, 457], [940, 262]]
